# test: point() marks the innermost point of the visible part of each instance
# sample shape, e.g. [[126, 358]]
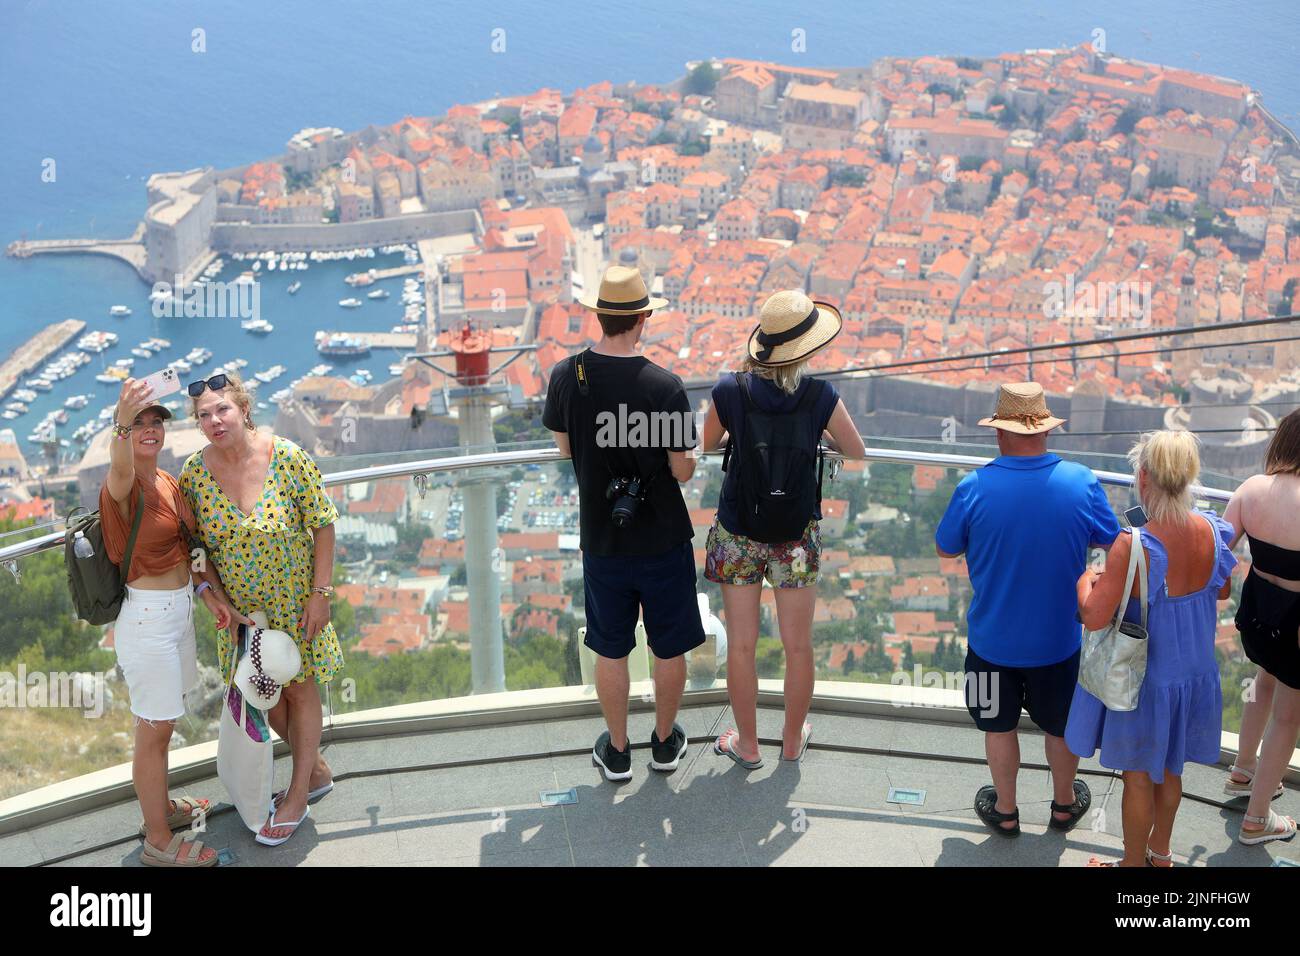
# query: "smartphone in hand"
[[165, 382]]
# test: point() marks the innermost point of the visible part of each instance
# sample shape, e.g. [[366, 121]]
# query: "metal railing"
[[421, 470]]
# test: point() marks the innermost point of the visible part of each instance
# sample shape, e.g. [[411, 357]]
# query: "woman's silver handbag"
[[1114, 659]]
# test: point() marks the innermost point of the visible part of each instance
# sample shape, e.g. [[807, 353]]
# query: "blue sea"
[[113, 90]]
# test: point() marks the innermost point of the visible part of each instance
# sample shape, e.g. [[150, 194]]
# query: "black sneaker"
[[664, 754], [617, 765]]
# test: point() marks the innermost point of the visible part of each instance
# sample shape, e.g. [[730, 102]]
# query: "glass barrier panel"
[[424, 614]]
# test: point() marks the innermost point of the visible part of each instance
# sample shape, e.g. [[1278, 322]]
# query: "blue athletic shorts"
[[660, 588]]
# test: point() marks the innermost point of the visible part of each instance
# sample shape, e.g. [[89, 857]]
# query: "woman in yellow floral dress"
[[267, 525]]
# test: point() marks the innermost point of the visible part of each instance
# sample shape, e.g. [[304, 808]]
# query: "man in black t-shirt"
[[628, 426]]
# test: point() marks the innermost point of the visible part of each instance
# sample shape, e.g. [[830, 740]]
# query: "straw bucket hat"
[[792, 327], [1022, 409], [270, 661], [622, 292]]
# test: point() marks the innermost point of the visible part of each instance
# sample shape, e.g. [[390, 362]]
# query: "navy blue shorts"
[[996, 694], [660, 588]]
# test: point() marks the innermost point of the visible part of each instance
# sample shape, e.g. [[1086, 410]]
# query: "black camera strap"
[[580, 369]]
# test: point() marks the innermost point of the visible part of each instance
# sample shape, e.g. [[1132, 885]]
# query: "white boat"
[[247, 277], [321, 369], [294, 286], [159, 344], [350, 303], [377, 294], [270, 374], [96, 341], [124, 362], [109, 378], [25, 395], [181, 366], [40, 384], [119, 311], [77, 402], [338, 343], [198, 356], [396, 369], [257, 326], [142, 353], [281, 395], [17, 407], [60, 417]]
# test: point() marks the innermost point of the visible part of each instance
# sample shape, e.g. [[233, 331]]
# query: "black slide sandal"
[[1076, 810], [986, 806]]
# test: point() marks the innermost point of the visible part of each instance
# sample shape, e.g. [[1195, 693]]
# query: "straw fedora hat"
[[622, 292], [1022, 409], [792, 327]]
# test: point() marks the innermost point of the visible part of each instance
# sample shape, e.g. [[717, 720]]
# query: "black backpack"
[[776, 491], [98, 585]]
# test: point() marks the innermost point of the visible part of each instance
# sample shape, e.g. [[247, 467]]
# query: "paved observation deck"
[[470, 796]]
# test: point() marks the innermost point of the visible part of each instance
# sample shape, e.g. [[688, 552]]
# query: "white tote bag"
[[1113, 663], [245, 755]]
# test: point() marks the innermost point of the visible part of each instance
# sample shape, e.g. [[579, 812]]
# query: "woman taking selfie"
[[269, 528], [154, 632]]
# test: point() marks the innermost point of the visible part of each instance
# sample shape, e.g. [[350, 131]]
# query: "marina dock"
[[380, 274], [384, 340], [36, 350]]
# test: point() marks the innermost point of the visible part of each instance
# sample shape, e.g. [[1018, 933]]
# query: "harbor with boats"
[[59, 389]]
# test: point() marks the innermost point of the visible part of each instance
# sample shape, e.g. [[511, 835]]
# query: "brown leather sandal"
[[183, 815], [172, 856]]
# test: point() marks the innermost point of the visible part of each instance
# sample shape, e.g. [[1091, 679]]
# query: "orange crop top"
[[160, 544]]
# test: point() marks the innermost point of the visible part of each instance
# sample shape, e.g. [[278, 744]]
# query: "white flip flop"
[[271, 824], [312, 795]]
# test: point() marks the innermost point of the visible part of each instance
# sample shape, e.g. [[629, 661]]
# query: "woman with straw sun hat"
[[775, 415]]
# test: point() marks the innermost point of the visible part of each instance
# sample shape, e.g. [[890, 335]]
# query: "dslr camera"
[[627, 494]]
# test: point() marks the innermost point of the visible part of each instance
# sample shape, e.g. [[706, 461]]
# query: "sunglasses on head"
[[216, 383]]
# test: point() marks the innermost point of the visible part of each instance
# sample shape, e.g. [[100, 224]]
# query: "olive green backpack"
[[98, 585]]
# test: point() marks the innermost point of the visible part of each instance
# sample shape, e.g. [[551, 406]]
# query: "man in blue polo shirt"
[[1025, 522]]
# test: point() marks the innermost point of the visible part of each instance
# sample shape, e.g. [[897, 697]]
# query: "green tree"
[[1284, 304], [39, 610], [769, 657], [702, 80], [1128, 120]]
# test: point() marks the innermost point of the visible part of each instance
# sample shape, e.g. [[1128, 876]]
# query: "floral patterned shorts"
[[733, 559]]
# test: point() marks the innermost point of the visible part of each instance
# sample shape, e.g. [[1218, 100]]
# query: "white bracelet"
[[198, 591]]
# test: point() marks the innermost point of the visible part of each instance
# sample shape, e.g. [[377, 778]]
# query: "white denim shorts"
[[154, 639]]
